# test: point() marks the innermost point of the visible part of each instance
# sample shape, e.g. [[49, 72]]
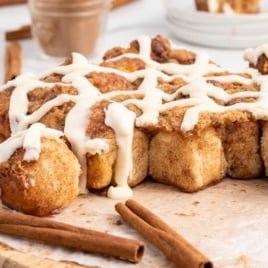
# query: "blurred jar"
[[65, 26]]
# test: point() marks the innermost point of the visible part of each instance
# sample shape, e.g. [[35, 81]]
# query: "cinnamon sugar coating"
[[106, 82], [31, 188], [100, 167], [161, 51], [195, 122]]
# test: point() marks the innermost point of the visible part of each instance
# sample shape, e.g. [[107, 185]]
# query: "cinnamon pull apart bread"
[[41, 176], [150, 109]]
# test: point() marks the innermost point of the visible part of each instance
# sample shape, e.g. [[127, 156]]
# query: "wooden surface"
[[10, 258]]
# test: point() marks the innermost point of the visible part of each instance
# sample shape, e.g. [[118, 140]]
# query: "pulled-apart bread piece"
[[41, 176], [243, 151], [190, 162], [217, 128], [258, 63], [241, 139], [129, 151]]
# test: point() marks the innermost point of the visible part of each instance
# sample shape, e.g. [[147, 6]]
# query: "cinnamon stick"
[[62, 234], [161, 235], [21, 33], [12, 61], [12, 2]]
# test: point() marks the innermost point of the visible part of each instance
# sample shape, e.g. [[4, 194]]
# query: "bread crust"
[[42, 187], [191, 123]]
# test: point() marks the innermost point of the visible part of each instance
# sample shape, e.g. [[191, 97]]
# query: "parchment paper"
[[228, 222]]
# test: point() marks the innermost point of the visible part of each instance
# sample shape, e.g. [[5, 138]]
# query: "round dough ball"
[[41, 187]]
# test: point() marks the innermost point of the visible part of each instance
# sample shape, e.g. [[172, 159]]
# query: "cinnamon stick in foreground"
[[12, 61], [21, 33], [161, 235], [12, 2], [62, 234]]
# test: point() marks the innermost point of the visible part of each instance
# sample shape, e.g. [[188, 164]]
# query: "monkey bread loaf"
[[152, 109]]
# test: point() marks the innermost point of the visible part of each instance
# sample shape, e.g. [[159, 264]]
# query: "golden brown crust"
[[55, 118], [39, 96], [190, 160], [262, 64], [96, 127], [117, 51], [100, 167], [187, 162], [171, 86], [161, 51], [234, 87], [242, 150], [140, 157], [33, 188], [125, 64], [107, 82]]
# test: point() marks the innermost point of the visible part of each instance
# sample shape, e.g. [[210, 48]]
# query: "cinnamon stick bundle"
[[161, 235], [12, 61], [12, 2], [62, 234]]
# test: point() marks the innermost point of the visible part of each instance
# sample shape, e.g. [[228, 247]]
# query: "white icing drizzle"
[[199, 67], [77, 120], [30, 140], [121, 120], [227, 9], [79, 65], [213, 5], [151, 101], [199, 96], [19, 101], [252, 55], [231, 78]]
